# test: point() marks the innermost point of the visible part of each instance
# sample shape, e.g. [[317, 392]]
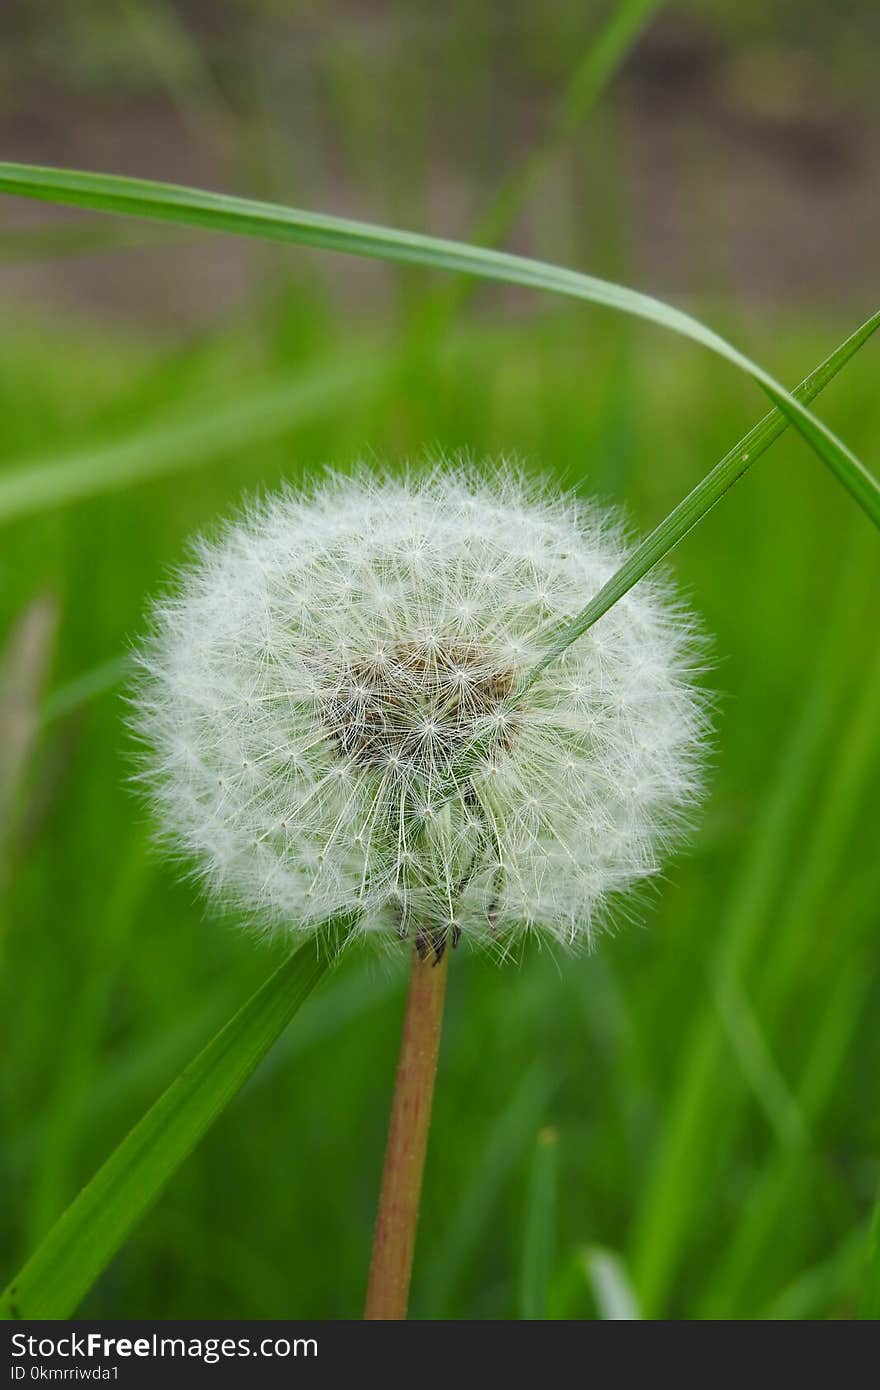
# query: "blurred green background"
[[710, 1075]]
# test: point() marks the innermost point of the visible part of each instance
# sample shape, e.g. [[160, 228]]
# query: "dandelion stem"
[[395, 1237]]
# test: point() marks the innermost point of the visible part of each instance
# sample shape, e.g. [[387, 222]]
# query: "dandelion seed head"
[[331, 703]]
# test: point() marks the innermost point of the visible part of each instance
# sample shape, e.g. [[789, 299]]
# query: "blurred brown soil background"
[[735, 157]]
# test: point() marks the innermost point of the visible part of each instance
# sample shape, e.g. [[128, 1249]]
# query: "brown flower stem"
[[395, 1237]]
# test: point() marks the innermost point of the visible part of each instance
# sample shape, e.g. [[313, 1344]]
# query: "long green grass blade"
[[270, 221], [664, 537], [539, 1227], [186, 445], [700, 501], [98, 1221]]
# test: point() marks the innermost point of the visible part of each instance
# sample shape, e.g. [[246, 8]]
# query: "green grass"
[[539, 1227], [710, 1075], [91, 1231], [712, 1188], [274, 222]]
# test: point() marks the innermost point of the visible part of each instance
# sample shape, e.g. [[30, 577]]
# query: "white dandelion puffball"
[[334, 709]]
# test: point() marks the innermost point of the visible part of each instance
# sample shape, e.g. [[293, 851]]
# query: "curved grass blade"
[[137, 458], [700, 501], [98, 1221], [663, 538], [270, 221]]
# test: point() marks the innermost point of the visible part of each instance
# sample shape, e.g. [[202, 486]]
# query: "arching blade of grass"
[[539, 1227], [98, 1221], [709, 491], [682, 519], [186, 443], [82, 474], [270, 221]]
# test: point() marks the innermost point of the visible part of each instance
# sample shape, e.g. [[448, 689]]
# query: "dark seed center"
[[414, 704]]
